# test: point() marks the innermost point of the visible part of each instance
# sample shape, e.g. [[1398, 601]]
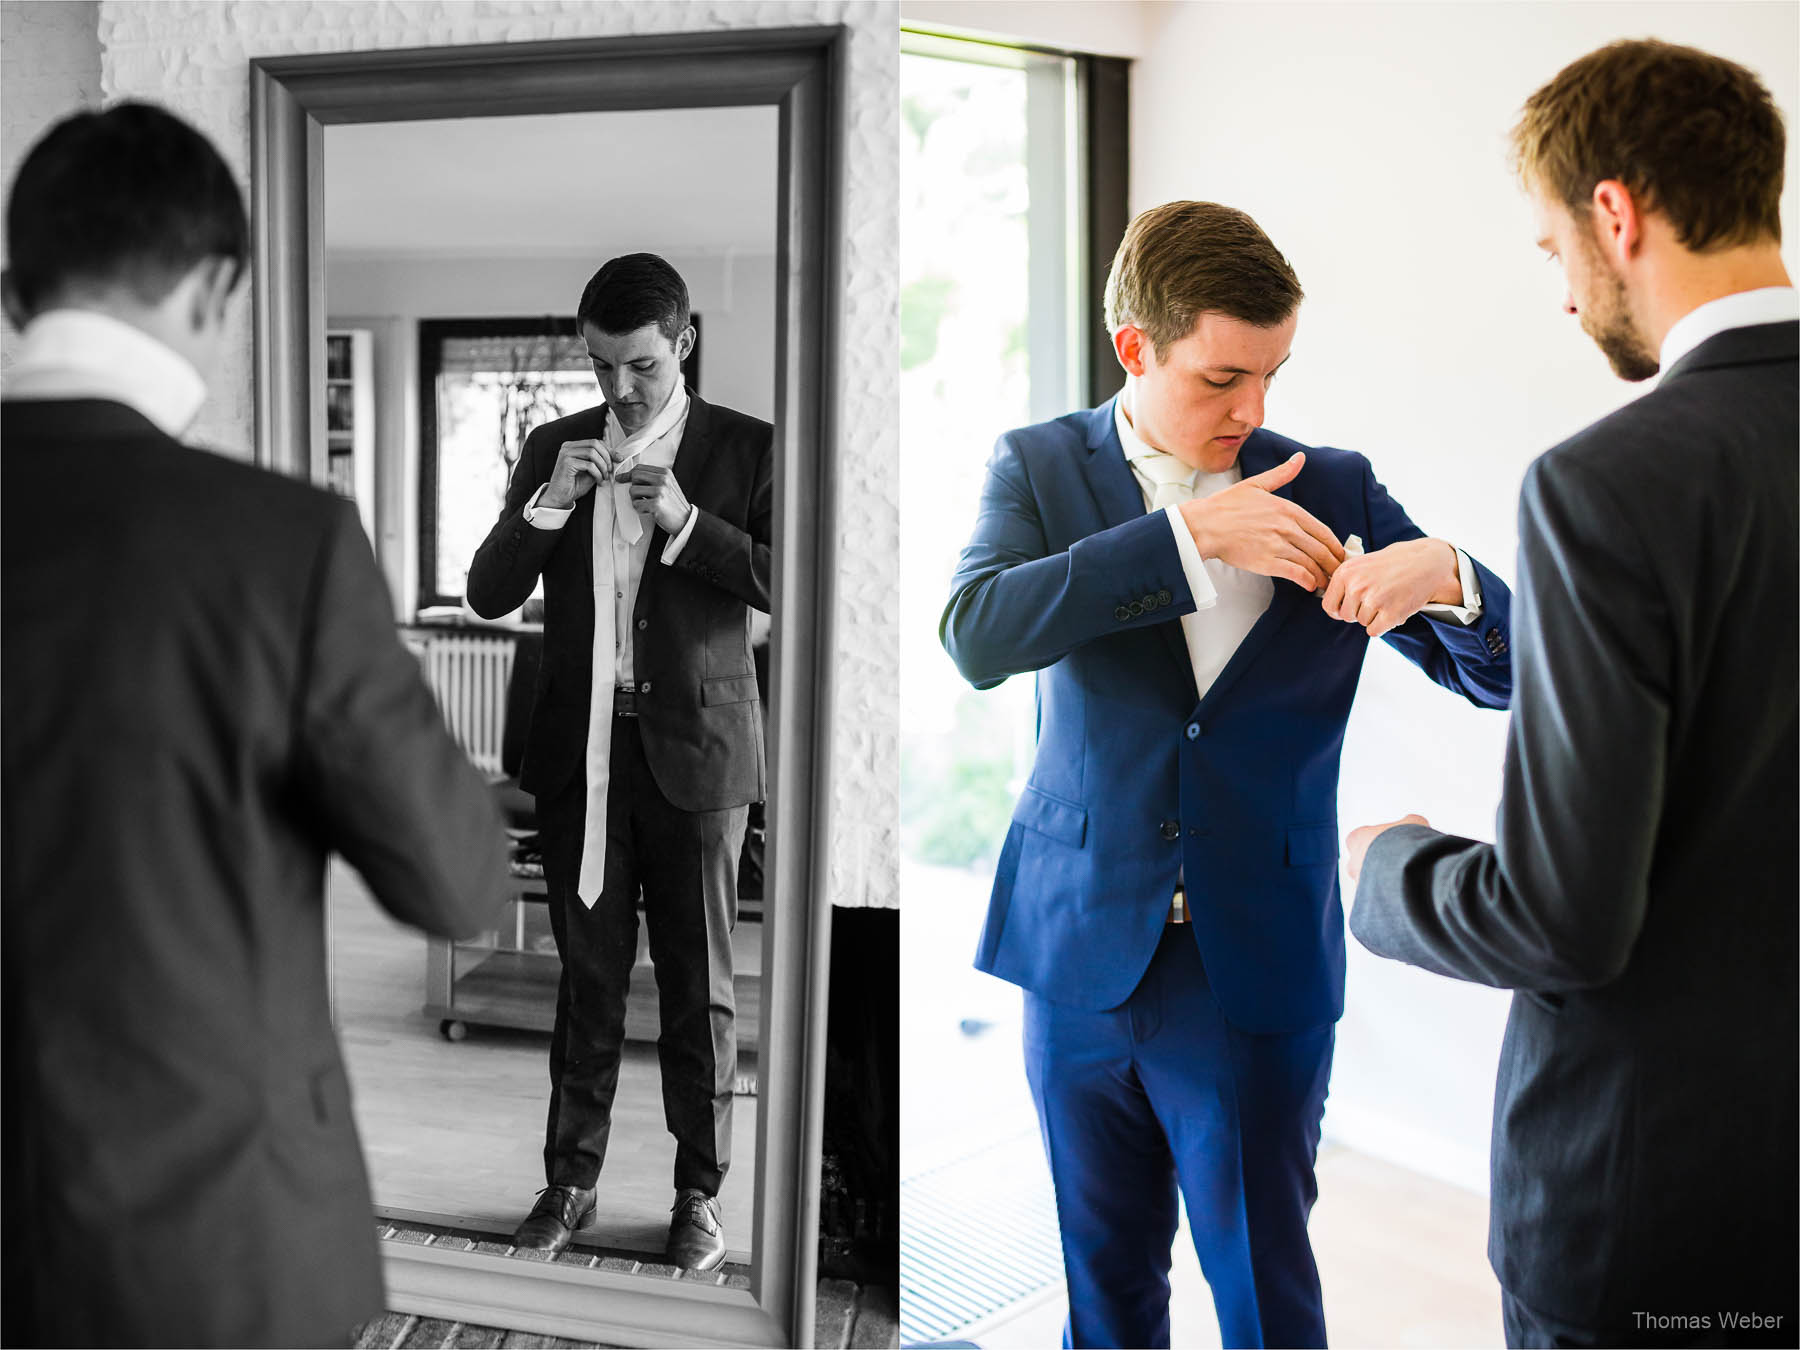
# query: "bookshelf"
[[350, 419]]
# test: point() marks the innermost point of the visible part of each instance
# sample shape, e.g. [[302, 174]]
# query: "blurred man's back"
[[203, 698]]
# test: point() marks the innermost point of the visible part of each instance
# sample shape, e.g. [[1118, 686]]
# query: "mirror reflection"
[[549, 379]]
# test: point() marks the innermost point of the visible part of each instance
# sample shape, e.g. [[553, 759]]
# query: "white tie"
[[1174, 480], [613, 516]]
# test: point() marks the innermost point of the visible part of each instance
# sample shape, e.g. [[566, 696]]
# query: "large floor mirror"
[[426, 221]]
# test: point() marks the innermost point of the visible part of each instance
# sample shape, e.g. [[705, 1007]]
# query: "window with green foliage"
[[989, 340]]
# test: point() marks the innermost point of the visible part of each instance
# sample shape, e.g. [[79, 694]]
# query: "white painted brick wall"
[[49, 67]]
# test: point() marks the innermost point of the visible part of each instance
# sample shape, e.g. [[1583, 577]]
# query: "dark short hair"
[[1697, 137], [132, 196], [1183, 259], [632, 292]]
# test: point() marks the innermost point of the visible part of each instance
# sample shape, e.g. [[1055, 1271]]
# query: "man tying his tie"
[[1187, 589], [648, 519]]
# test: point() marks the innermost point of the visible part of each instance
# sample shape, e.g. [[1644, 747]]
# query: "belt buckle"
[[625, 703]]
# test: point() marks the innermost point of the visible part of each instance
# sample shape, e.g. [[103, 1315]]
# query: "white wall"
[[734, 296], [192, 55], [1102, 27], [49, 67], [1368, 140]]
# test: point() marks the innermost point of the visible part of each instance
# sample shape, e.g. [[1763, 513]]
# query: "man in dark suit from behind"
[[203, 698], [1641, 894], [646, 745]]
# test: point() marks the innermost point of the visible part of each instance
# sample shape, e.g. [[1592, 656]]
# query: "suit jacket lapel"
[[1259, 454], [689, 467], [1116, 490], [583, 521]]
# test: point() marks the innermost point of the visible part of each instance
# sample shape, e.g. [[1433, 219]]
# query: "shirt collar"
[[662, 449], [81, 353], [1745, 309], [1136, 448], [1134, 445]]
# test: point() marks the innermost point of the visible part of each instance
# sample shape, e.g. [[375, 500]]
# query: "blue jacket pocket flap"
[[1062, 821], [1310, 845]]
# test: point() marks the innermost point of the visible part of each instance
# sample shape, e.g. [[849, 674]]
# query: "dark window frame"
[[1104, 83]]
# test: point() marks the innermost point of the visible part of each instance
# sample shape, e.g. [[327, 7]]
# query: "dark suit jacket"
[[203, 697], [697, 705], [1642, 892], [1138, 777]]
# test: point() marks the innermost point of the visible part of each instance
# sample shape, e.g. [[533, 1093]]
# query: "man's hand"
[[1384, 589], [1357, 844], [654, 492], [1251, 528], [579, 465]]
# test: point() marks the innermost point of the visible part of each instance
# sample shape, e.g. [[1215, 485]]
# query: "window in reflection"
[[489, 383]]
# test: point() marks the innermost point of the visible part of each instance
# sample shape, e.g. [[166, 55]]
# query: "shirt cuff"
[[546, 517], [1193, 566], [1470, 609], [672, 549]]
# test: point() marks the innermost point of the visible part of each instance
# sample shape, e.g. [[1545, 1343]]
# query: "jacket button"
[[1121, 614], [1193, 731], [644, 688], [1135, 608], [643, 624], [1171, 829], [1151, 602], [1164, 598]]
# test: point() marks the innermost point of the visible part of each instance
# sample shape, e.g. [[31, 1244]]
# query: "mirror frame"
[[803, 72]]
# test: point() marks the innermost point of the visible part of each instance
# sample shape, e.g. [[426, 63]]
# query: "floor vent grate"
[[977, 1236]]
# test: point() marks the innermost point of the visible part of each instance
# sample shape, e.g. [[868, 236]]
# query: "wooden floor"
[[454, 1132]]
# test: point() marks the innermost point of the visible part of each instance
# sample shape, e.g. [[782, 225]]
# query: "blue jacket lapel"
[[1258, 455], [1121, 500], [1109, 477]]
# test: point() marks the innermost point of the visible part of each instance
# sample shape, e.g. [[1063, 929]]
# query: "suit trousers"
[[1161, 1094], [684, 865]]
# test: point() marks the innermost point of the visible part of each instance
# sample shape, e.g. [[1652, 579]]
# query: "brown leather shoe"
[[559, 1211], [696, 1235]]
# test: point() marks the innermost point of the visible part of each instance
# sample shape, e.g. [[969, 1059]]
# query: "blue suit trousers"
[[1162, 1092]]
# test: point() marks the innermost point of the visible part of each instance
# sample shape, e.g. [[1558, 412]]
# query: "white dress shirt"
[[1228, 600], [1746, 309], [660, 452], [81, 353]]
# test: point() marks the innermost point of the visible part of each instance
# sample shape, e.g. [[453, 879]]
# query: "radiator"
[[468, 677]]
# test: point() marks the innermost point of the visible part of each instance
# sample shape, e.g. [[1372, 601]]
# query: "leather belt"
[[1178, 910], [625, 703]]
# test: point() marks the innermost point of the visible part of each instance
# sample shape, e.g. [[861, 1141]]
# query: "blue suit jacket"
[[1135, 774]]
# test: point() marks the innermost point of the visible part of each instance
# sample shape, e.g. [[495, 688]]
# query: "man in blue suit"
[[1196, 596]]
